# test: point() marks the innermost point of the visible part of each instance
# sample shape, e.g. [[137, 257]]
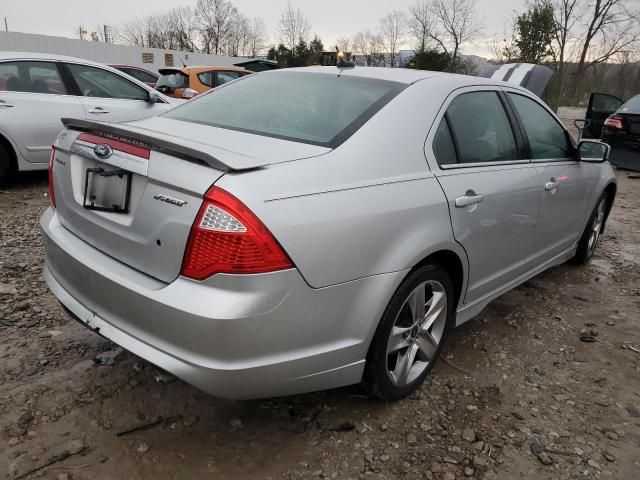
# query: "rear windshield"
[[173, 80], [305, 107], [632, 106]]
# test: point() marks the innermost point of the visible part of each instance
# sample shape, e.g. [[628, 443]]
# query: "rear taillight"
[[52, 195], [189, 93], [614, 122], [226, 237]]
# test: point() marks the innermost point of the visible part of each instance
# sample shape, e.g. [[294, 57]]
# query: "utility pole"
[[6, 28]]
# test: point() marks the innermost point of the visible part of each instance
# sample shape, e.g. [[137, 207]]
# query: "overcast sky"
[[329, 18]]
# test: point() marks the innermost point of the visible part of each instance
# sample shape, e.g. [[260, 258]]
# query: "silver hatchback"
[[304, 229]]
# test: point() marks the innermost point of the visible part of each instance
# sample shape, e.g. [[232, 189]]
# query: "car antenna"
[[342, 63], [181, 61]]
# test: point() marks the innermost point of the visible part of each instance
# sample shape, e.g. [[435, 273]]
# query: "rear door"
[[601, 105], [110, 97], [566, 183], [492, 190], [33, 98]]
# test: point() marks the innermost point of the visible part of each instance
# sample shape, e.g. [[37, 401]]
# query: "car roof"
[[205, 68], [401, 75], [46, 56]]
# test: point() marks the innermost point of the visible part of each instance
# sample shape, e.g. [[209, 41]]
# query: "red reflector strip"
[[116, 145]]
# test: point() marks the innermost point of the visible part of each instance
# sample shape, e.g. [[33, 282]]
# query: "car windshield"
[[173, 80], [306, 107], [632, 106]]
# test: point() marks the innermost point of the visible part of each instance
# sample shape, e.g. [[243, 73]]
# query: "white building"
[[148, 58]]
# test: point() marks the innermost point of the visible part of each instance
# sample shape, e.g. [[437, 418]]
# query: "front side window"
[[481, 128], [33, 77], [306, 107], [96, 82], [547, 138]]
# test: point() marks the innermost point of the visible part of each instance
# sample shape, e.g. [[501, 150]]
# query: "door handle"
[[98, 110], [4, 104], [551, 185], [469, 198]]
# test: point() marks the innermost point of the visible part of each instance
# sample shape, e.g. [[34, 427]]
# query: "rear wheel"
[[589, 240], [5, 165], [410, 335]]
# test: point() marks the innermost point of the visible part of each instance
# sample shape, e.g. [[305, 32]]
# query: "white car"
[[37, 90]]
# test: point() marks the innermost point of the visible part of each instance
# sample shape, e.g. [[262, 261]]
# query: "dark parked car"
[[138, 73], [617, 123]]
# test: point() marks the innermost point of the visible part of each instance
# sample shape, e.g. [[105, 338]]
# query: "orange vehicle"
[[187, 82]]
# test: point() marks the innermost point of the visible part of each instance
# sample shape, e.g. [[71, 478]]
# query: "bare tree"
[[182, 28], [615, 26], [392, 30], [293, 27], [503, 46], [455, 24], [343, 44], [215, 22], [369, 45], [134, 32], [257, 40], [421, 24]]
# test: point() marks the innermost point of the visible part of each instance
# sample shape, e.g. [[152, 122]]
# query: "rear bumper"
[[232, 336], [624, 153]]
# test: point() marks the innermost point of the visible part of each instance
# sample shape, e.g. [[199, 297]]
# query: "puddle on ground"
[[605, 266]]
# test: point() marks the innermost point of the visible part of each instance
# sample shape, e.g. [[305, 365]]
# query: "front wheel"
[[589, 240], [410, 335]]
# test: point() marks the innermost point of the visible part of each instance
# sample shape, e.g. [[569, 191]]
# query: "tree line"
[[574, 37]]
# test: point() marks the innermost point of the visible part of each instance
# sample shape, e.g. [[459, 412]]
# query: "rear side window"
[[224, 77], [139, 75], [443, 146], [547, 138], [172, 79], [632, 106], [96, 82], [317, 108], [33, 77], [481, 128]]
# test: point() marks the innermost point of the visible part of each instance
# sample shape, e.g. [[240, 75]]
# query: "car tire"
[[6, 170], [408, 339], [589, 240]]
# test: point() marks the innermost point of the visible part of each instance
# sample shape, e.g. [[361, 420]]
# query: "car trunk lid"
[[157, 181]]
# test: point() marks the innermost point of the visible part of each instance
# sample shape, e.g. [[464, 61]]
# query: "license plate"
[[107, 190]]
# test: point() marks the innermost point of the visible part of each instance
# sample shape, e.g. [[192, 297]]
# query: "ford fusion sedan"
[[36, 90], [305, 229]]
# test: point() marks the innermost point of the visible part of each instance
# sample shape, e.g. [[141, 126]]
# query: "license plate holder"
[[107, 190]]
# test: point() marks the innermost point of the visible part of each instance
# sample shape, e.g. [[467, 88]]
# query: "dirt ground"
[[544, 384]]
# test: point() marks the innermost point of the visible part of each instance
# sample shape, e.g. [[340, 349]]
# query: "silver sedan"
[[305, 229]]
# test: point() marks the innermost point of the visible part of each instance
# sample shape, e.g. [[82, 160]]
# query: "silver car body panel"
[[354, 220]]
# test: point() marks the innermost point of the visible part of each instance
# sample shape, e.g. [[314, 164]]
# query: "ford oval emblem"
[[102, 150]]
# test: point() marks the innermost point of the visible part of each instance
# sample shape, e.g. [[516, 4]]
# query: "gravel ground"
[[544, 384]]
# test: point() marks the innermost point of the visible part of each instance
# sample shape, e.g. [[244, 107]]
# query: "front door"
[[566, 183], [492, 192], [110, 97]]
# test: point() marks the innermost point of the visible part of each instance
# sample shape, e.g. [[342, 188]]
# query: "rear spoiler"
[[534, 78], [187, 150]]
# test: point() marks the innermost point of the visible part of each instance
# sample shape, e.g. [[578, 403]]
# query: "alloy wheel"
[[597, 227], [416, 333]]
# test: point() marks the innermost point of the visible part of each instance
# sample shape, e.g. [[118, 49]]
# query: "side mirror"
[[593, 151], [153, 96]]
